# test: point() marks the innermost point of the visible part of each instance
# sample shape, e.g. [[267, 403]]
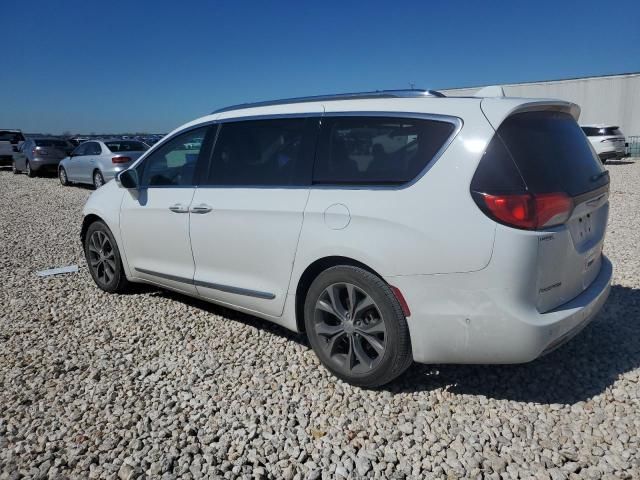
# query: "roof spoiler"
[[490, 91]]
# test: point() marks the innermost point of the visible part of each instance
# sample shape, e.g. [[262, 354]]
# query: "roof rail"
[[409, 93]]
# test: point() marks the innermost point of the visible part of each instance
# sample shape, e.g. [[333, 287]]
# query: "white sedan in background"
[[607, 140], [98, 161]]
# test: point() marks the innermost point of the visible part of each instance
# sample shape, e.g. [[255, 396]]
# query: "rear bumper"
[[453, 321], [41, 164]]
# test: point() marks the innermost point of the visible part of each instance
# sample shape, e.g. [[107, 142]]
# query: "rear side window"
[[550, 152], [276, 152], [377, 150], [601, 131]]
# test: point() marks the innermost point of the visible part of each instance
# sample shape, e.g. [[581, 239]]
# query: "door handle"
[[202, 208], [179, 208]]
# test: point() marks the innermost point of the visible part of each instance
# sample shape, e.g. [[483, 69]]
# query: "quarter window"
[[174, 163], [377, 150], [264, 153]]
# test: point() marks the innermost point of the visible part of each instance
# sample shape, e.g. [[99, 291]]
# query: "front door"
[[154, 219], [246, 215]]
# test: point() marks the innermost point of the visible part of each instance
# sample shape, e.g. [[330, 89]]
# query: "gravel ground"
[[155, 384]]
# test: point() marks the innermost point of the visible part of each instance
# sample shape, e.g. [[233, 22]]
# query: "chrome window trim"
[[456, 121], [215, 286]]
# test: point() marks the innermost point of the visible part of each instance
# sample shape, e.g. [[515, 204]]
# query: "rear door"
[[247, 214], [552, 155]]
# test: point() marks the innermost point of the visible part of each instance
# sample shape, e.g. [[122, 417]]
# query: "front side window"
[[93, 148], [263, 153], [377, 150], [174, 163], [80, 150]]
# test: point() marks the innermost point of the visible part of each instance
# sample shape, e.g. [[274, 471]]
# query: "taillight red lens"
[[529, 211], [120, 159]]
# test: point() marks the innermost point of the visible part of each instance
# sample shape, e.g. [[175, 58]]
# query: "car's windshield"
[[126, 146]]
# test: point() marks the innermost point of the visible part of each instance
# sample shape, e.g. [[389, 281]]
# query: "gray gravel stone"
[[153, 383]]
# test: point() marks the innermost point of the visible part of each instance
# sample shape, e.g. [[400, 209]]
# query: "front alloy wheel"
[[103, 258], [62, 175]]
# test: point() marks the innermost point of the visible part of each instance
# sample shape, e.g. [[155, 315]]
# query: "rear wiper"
[[598, 176]]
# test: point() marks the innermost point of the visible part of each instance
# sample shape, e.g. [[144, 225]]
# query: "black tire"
[[98, 179], [30, 173], [14, 168], [103, 259], [62, 176], [386, 327]]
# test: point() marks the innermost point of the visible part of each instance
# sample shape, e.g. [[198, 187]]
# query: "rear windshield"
[[126, 146], [47, 142], [601, 132], [13, 137], [551, 153]]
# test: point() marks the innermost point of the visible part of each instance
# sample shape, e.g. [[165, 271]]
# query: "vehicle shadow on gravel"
[[584, 367]]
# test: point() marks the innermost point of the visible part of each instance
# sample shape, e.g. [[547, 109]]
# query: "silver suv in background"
[[40, 154], [10, 141], [607, 140], [98, 161]]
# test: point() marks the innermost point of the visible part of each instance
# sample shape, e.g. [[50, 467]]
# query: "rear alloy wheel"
[[62, 175], [103, 258], [30, 173], [98, 179], [356, 326]]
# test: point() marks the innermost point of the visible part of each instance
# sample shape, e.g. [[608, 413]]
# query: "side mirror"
[[128, 179]]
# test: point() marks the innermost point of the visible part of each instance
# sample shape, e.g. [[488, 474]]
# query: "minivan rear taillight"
[[120, 159], [526, 210]]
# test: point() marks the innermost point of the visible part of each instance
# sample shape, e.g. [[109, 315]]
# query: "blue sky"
[[91, 66]]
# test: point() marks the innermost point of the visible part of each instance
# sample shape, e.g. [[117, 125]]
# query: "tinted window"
[[263, 152], [126, 146], [93, 148], [174, 163], [601, 132], [80, 150], [376, 150], [551, 153]]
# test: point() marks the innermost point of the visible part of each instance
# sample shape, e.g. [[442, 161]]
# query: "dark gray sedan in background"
[[40, 154], [98, 161]]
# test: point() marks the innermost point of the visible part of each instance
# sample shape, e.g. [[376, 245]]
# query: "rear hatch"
[[52, 149], [555, 186], [126, 152]]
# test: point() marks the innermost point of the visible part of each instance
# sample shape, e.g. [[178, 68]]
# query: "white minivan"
[[390, 226]]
